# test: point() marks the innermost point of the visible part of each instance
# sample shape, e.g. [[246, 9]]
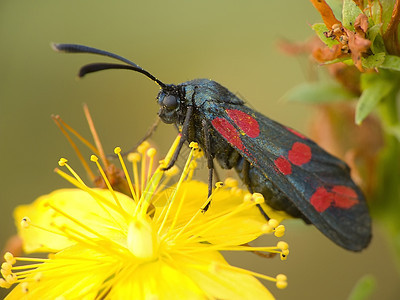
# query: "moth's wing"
[[317, 183]]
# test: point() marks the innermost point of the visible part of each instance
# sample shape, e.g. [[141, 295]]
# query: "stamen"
[[218, 185], [183, 175], [63, 163], [150, 153], [117, 151], [95, 136], [216, 266], [219, 218], [142, 150], [152, 186], [60, 123], [77, 222], [103, 174], [96, 196], [134, 158]]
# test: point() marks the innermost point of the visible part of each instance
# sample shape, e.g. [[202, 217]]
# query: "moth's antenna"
[[90, 68]]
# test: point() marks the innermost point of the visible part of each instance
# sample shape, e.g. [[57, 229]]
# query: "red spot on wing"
[[340, 196], [228, 131], [295, 132], [345, 197], [247, 123], [283, 165], [300, 154], [321, 199]]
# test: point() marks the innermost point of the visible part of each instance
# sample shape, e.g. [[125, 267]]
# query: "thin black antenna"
[[90, 68]]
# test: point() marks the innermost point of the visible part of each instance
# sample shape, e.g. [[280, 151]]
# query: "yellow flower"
[[155, 244]]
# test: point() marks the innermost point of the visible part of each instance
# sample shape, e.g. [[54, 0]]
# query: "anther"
[[25, 222], [62, 162], [194, 145], [25, 287], [219, 184], [6, 267], [258, 198], [273, 223], [143, 147], [4, 284], [94, 158], [280, 231], [8, 257], [282, 245], [11, 278], [117, 150], [266, 228], [248, 197], [38, 276], [281, 281], [231, 182], [134, 157], [151, 152]]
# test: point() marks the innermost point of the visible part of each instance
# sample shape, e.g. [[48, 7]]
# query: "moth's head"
[[170, 100]]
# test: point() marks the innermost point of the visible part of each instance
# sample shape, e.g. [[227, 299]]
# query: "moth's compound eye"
[[170, 102]]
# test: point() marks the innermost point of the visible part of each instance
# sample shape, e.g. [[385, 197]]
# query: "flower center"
[[142, 239]]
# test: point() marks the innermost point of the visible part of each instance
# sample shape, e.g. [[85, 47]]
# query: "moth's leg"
[[210, 162], [246, 181]]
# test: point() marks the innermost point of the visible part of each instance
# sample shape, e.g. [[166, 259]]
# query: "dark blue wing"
[[317, 183]]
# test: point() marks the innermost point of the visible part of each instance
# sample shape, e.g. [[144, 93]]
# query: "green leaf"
[[318, 92], [336, 7], [374, 35], [391, 62], [387, 10], [364, 288], [319, 29], [373, 61], [350, 12], [375, 86]]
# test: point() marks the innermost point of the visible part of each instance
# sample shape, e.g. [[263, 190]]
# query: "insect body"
[[292, 172]]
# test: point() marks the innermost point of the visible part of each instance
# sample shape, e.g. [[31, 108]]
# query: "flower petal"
[[221, 282], [70, 275], [73, 202], [157, 279]]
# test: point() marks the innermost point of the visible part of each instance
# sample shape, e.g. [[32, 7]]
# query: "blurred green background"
[[232, 42]]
